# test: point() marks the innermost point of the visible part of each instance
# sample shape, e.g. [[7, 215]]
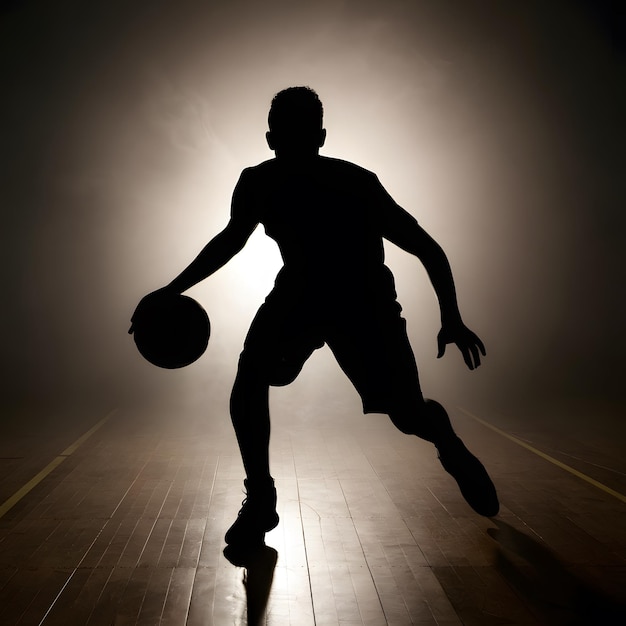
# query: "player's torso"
[[322, 217]]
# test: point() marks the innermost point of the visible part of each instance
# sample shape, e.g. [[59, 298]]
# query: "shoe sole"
[[255, 536]]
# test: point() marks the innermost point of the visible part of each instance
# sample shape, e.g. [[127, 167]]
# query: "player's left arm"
[[402, 229]]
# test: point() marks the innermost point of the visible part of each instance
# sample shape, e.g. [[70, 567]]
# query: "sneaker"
[[256, 516], [470, 474], [471, 477]]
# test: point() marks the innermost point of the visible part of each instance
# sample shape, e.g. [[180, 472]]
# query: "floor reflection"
[[259, 564]]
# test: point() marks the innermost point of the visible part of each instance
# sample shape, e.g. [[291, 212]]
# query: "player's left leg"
[[433, 424], [412, 414], [376, 355]]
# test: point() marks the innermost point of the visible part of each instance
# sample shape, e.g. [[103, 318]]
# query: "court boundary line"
[[10, 502], [547, 457]]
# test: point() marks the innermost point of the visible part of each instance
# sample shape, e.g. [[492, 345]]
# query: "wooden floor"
[[127, 527]]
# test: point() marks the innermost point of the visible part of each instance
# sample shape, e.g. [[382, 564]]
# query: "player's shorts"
[[368, 339]]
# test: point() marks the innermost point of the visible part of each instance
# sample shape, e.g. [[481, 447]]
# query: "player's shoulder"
[[263, 166], [328, 168], [259, 175], [253, 171], [346, 167], [251, 178], [349, 175]]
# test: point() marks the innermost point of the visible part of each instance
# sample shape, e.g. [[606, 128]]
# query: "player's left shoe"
[[471, 477]]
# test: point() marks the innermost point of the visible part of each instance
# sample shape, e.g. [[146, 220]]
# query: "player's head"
[[296, 123]]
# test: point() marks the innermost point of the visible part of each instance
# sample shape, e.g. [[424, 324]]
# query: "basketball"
[[171, 331]]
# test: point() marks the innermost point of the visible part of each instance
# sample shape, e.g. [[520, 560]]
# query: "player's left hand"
[[466, 341]]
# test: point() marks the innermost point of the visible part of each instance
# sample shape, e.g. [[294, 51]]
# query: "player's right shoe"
[[470, 474], [256, 517]]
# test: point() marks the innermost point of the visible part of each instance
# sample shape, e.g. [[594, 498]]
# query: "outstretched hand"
[[466, 341]]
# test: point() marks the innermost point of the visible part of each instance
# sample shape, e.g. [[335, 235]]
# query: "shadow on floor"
[[549, 587]]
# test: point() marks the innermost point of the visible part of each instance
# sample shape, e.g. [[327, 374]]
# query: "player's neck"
[[297, 161]]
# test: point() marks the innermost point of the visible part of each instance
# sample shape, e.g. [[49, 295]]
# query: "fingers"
[[467, 356], [471, 354], [133, 320], [471, 348], [481, 345], [468, 343], [139, 312], [441, 344], [475, 355]]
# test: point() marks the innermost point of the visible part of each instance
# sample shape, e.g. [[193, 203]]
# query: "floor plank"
[[129, 530]]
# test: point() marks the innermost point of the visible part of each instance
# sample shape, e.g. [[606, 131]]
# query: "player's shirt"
[[327, 218]]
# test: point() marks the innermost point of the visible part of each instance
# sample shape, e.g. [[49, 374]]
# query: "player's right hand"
[[136, 316]]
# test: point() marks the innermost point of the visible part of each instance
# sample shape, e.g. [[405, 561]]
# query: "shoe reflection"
[[259, 563]]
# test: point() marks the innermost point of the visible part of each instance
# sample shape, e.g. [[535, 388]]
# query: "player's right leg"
[[251, 421], [277, 345], [249, 410]]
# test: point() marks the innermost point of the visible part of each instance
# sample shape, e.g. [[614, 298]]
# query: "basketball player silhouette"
[[329, 218]]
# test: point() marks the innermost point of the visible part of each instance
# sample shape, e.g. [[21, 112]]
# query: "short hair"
[[295, 105]]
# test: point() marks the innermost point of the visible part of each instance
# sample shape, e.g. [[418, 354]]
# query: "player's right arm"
[[223, 247], [226, 244]]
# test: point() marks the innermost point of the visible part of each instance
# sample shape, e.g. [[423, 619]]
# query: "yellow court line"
[[547, 457], [35, 480]]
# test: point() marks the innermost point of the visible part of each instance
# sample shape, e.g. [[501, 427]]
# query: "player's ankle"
[[440, 429], [259, 483]]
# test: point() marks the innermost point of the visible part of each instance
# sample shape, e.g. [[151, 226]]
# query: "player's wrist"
[[451, 318], [173, 288]]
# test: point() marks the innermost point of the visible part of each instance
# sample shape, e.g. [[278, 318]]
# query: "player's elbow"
[[417, 242], [430, 253], [233, 238]]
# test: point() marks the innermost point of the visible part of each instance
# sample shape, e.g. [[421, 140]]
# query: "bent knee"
[[410, 422], [414, 420], [247, 393]]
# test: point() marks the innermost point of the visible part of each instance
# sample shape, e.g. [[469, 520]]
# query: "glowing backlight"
[[257, 265]]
